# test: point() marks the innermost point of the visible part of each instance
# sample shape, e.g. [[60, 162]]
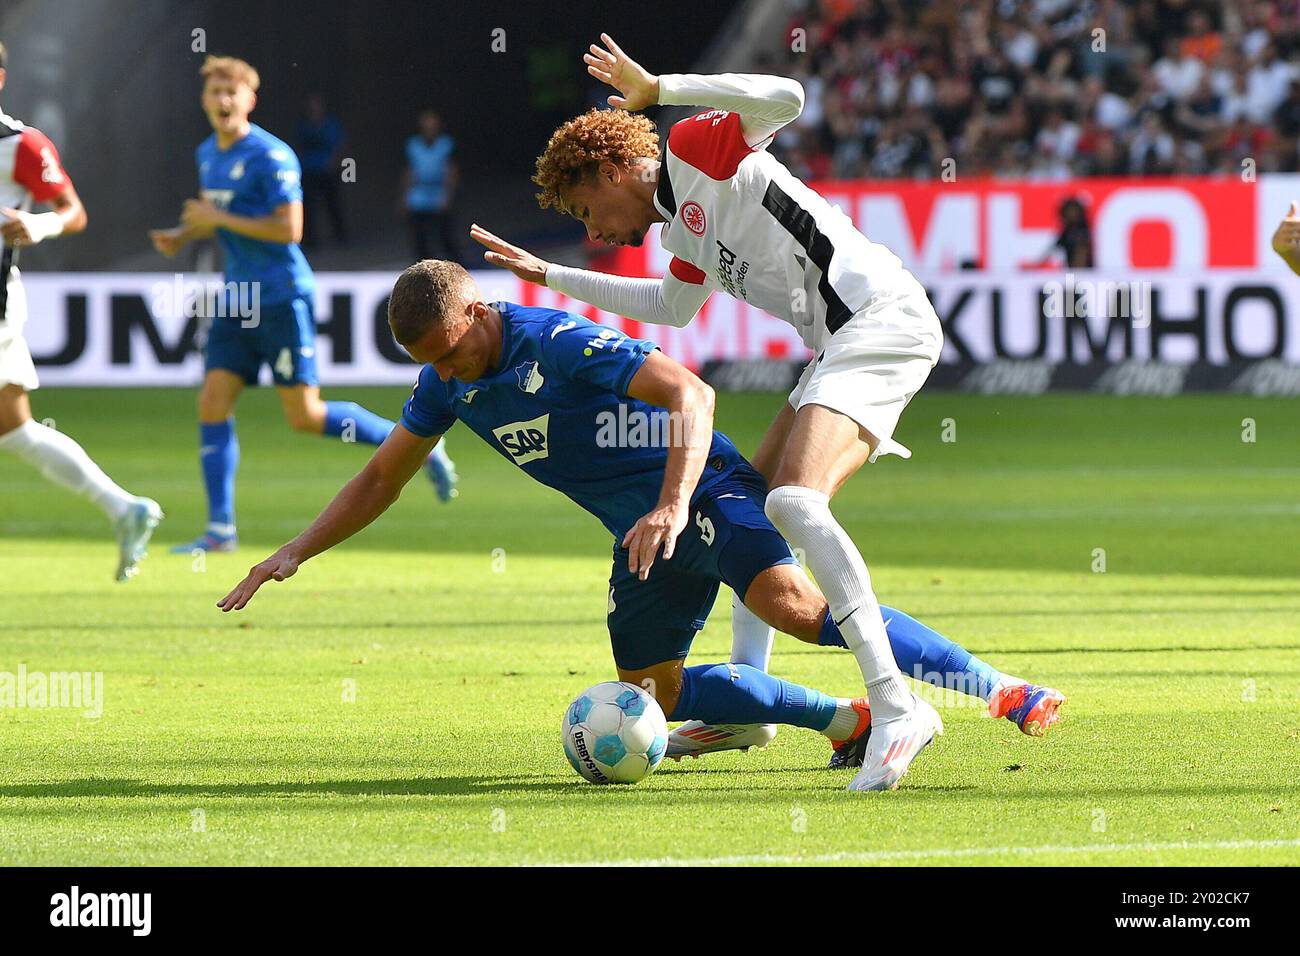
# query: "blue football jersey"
[[252, 178], [557, 406]]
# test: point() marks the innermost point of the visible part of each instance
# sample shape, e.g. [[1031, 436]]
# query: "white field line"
[[885, 856]]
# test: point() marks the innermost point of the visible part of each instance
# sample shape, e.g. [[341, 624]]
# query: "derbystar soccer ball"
[[615, 733]]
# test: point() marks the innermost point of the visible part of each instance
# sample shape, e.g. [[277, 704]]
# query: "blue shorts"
[[727, 540], [284, 338]]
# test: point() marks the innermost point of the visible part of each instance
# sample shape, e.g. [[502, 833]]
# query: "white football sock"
[[803, 516], [66, 463], [844, 722], [751, 638]]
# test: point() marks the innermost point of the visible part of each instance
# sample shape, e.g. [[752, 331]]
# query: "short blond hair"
[[232, 68], [429, 294], [578, 148]]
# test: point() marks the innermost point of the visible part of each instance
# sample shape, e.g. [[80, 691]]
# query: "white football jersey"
[[30, 171], [739, 222]]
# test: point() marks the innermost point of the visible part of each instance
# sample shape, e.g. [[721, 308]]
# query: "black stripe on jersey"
[[8, 127], [6, 265], [664, 191], [799, 223]]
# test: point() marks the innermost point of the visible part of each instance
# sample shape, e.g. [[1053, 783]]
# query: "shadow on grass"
[[794, 651], [250, 624], [401, 786], [563, 784]]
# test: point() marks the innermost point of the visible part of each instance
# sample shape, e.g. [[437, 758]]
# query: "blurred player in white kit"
[[30, 173]]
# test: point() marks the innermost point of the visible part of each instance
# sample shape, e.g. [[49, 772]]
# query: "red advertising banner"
[[1008, 226], [1178, 224]]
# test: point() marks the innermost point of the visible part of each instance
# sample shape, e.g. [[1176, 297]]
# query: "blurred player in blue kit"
[[251, 199], [577, 407]]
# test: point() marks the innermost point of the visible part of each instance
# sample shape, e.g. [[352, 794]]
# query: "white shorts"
[[16, 367], [872, 366]]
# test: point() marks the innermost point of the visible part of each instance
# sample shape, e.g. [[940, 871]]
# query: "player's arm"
[[67, 215], [361, 501], [764, 103], [170, 241], [1286, 240], [283, 225], [668, 301], [662, 382], [36, 167]]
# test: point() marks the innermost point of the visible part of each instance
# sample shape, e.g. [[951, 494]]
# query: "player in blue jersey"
[[251, 199], [626, 433]]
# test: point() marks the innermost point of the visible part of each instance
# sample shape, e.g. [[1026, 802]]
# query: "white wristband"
[[44, 225]]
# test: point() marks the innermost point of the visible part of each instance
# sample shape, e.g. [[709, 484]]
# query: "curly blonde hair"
[[586, 141]]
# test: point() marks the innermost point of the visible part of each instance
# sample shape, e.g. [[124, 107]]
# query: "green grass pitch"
[[399, 702]]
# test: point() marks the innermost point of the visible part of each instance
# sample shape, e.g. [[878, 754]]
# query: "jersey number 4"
[[284, 363]]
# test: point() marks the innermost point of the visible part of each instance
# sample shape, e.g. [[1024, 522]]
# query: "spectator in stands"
[[1075, 239], [320, 144], [429, 187], [1000, 83]]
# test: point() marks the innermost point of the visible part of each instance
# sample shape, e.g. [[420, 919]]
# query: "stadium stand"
[[1044, 89]]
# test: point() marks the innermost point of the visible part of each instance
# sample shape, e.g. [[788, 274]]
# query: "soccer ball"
[[614, 733]]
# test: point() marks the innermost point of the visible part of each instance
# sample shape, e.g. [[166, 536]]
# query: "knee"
[[213, 407], [790, 505], [793, 606], [664, 684], [302, 420], [306, 415], [10, 425], [11, 419]]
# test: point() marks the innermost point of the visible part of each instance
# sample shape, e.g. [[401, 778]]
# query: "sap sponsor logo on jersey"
[[525, 441], [530, 377], [731, 276], [74, 908], [221, 198]]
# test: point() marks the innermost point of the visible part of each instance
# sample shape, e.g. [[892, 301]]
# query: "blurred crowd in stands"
[[1044, 89]]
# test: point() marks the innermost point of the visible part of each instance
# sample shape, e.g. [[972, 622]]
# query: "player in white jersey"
[[737, 221], [30, 171]]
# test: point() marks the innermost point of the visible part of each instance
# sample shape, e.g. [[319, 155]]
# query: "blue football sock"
[[740, 694], [925, 654], [351, 422], [219, 458]]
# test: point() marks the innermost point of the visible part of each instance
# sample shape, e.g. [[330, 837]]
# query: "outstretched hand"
[[1286, 240], [275, 568], [501, 253], [639, 88]]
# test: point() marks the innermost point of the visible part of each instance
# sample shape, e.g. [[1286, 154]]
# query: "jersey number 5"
[[707, 532]]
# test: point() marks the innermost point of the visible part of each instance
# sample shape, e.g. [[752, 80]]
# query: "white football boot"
[[894, 744], [696, 737], [133, 531]]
